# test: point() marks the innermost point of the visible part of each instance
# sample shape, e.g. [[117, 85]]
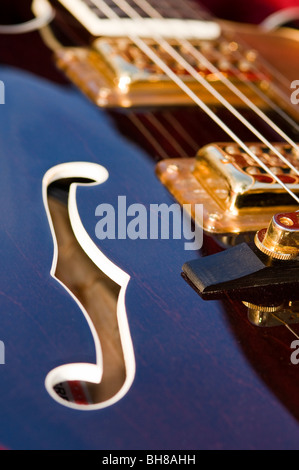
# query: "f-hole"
[[99, 296]]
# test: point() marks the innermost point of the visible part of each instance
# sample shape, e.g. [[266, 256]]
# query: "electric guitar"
[[114, 335]]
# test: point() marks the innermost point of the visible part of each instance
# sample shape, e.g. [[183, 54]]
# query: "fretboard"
[[122, 18], [183, 9]]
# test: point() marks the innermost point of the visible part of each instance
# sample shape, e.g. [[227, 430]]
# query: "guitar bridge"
[[237, 194]]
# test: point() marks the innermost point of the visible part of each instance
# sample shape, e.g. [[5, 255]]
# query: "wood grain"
[[98, 295]]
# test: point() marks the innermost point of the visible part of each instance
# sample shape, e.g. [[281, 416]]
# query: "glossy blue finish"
[[194, 388]]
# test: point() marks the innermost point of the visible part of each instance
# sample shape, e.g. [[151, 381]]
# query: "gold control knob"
[[263, 308], [281, 239]]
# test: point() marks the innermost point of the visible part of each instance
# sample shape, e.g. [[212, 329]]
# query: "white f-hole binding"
[[90, 373]]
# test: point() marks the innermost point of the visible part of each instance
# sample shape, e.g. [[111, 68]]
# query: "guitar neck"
[[99, 18], [188, 9]]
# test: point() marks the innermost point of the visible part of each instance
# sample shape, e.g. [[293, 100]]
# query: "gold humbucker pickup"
[[237, 193], [116, 73]]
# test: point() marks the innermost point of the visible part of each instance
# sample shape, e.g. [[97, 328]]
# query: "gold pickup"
[[237, 193], [115, 72]]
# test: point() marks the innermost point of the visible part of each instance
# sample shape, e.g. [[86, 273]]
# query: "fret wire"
[[181, 84], [201, 58]]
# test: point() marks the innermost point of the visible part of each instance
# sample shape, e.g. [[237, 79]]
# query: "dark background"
[[253, 11]]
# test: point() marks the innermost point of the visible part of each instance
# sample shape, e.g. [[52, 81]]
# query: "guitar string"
[[285, 324], [50, 40], [258, 91], [243, 97], [165, 133], [181, 131], [52, 43], [274, 73], [151, 11], [275, 90], [204, 16], [173, 142], [167, 70], [138, 123], [149, 137], [155, 143], [280, 77], [148, 9], [193, 72], [132, 12]]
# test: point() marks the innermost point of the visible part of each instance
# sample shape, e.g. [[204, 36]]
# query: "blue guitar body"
[[195, 385]]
